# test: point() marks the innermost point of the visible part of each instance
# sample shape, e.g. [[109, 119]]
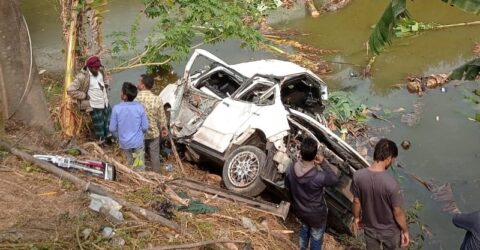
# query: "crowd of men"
[[139, 122], [377, 201]]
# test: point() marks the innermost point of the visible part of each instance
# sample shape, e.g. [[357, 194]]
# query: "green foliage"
[[381, 36], [28, 167], [68, 185], [53, 91], [473, 98], [143, 195], [472, 6], [409, 27], [468, 71], [177, 23], [396, 13], [413, 219], [195, 206], [345, 108], [469, 97]]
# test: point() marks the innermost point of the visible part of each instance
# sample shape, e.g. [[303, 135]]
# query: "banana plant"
[[468, 71], [395, 18]]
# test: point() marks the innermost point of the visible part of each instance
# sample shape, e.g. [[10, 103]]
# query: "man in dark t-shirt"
[[306, 180], [378, 201], [471, 223]]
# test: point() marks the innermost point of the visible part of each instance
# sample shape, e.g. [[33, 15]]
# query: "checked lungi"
[[101, 121]]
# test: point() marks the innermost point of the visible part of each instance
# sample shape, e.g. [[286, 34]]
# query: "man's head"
[[386, 151], [93, 64], [308, 149], [146, 82], [129, 92]]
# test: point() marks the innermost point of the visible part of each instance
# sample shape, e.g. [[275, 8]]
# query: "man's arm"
[[162, 118], [356, 208], [401, 220], [331, 178], [467, 221], [73, 89], [113, 123], [144, 122]]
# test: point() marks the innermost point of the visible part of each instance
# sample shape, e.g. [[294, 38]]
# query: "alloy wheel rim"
[[243, 169]]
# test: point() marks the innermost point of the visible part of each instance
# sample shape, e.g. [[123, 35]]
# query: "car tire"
[[242, 168]]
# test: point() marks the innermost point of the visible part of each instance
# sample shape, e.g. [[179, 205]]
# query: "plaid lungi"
[[101, 121]]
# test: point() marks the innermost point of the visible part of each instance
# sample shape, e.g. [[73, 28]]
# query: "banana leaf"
[[472, 6], [382, 33], [396, 11], [468, 71]]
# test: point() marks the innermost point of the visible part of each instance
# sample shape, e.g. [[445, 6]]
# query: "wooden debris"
[[421, 84], [197, 244], [134, 176], [476, 49], [174, 197], [90, 187], [175, 153], [280, 210], [311, 8]]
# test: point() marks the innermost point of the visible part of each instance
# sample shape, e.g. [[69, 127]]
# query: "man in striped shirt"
[[156, 119]]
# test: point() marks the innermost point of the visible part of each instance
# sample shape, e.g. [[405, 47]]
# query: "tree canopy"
[[178, 22]]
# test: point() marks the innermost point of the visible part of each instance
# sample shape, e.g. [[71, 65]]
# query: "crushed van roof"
[[268, 67]]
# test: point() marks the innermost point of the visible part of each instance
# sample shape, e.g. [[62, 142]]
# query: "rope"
[[27, 87]]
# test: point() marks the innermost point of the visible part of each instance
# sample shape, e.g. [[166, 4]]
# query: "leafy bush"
[[344, 108]]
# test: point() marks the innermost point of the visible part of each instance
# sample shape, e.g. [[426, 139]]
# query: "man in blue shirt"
[[129, 122], [471, 223]]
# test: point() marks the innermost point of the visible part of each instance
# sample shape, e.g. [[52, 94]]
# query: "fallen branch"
[[175, 153], [174, 197], [457, 25], [283, 231], [117, 69], [197, 244], [126, 170], [89, 187]]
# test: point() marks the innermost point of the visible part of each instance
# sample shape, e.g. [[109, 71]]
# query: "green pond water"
[[446, 149]]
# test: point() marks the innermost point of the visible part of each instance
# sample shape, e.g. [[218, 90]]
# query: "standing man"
[[129, 122], [471, 223], [378, 201], [306, 180], [156, 119], [89, 89]]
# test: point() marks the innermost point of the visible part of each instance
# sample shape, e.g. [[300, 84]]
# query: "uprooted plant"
[[413, 219], [345, 113]]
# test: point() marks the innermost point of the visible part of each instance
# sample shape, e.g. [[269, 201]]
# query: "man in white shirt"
[[90, 90]]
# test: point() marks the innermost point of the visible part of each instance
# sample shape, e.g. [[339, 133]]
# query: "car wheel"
[[242, 168]]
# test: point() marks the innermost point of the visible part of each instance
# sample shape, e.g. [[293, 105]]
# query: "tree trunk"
[[21, 93], [70, 122], [2, 124]]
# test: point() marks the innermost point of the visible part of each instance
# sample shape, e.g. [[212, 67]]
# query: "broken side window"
[[260, 94], [302, 93], [220, 83]]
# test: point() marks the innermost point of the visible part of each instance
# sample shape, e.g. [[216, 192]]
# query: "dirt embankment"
[[46, 212]]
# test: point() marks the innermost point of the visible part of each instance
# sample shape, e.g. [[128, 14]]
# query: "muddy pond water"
[[445, 144]]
